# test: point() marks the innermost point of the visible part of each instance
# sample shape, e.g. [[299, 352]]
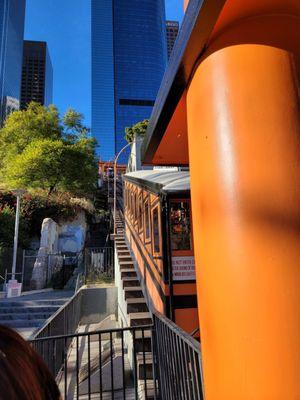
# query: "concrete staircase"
[[28, 313], [136, 310]]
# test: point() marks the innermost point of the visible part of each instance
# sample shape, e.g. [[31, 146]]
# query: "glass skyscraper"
[[37, 74], [12, 17], [129, 57]]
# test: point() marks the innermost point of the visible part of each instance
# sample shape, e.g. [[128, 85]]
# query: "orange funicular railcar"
[[158, 222]]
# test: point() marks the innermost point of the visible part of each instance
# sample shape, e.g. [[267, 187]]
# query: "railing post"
[[23, 269]]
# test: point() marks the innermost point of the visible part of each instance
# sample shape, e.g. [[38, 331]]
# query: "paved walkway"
[[97, 363]]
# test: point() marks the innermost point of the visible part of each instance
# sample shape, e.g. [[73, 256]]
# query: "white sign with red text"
[[183, 268]]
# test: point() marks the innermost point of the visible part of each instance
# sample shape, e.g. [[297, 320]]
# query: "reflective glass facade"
[[129, 56], [12, 16], [37, 74]]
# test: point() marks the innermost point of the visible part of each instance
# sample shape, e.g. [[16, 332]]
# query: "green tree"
[[23, 127], [72, 121], [54, 165], [136, 130], [41, 151]]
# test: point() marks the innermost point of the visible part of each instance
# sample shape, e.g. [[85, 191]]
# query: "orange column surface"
[[244, 150]]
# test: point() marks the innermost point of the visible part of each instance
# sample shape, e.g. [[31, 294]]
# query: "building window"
[[180, 225], [132, 102], [125, 199], [147, 220], [132, 205], [131, 201], [156, 243], [140, 213]]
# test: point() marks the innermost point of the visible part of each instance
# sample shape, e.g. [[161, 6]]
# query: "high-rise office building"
[[172, 33], [12, 17], [129, 57], [37, 74]]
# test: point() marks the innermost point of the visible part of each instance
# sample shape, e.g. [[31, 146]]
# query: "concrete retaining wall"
[[97, 304]]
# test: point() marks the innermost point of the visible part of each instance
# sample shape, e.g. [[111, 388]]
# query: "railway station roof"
[[165, 181], [166, 140]]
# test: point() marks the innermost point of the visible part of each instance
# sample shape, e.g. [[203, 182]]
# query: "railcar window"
[[180, 225], [147, 220], [156, 231], [140, 213], [131, 203], [136, 209]]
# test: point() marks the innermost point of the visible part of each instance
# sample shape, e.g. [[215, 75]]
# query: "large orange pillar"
[[244, 149]]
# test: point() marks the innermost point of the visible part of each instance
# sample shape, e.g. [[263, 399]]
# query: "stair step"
[[130, 281], [125, 267], [130, 292], [151, 395], [143, 344], [128, 272], [31, 303], [126, 263], [21, 323], [40, 309], [136, 305], [25, 316], [139, 318], [143, 341], [144, 367], [123, 252], [122, 258]]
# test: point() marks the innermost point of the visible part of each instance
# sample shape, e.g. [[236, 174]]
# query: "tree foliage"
[[38, 150], [136, 130]]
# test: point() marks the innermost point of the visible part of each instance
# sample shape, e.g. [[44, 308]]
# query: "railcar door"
[[183, 264]]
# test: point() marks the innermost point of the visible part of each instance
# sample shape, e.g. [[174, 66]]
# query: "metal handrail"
[[193, 333], [177, 368], [177, 358], [79, 283], [62, 319], [70, 357], [91, 333], [188, 339]]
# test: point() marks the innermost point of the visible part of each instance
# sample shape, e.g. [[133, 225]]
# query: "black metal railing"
[[99, 263], [103, 364], [65, 321], [177, 358]]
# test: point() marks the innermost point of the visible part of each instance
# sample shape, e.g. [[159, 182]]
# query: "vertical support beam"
[[244, 147]]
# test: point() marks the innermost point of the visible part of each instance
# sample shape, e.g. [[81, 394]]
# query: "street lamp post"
[[13, 288], [115, 183], [17, 193]]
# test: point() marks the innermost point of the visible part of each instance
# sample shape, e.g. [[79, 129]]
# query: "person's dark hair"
[[23, 373]]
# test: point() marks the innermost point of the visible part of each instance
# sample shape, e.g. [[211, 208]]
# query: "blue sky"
[[65, 26]]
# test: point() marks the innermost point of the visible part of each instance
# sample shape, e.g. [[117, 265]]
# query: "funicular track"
[[148, 357]]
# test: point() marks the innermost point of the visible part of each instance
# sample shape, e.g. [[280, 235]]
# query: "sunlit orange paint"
[[243, 128], [176, 133], [185, 4]]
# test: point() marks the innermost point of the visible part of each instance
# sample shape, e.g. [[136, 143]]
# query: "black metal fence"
[[178, 361], [107, 364], [65, 321], [99, 263], [158, 361]]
